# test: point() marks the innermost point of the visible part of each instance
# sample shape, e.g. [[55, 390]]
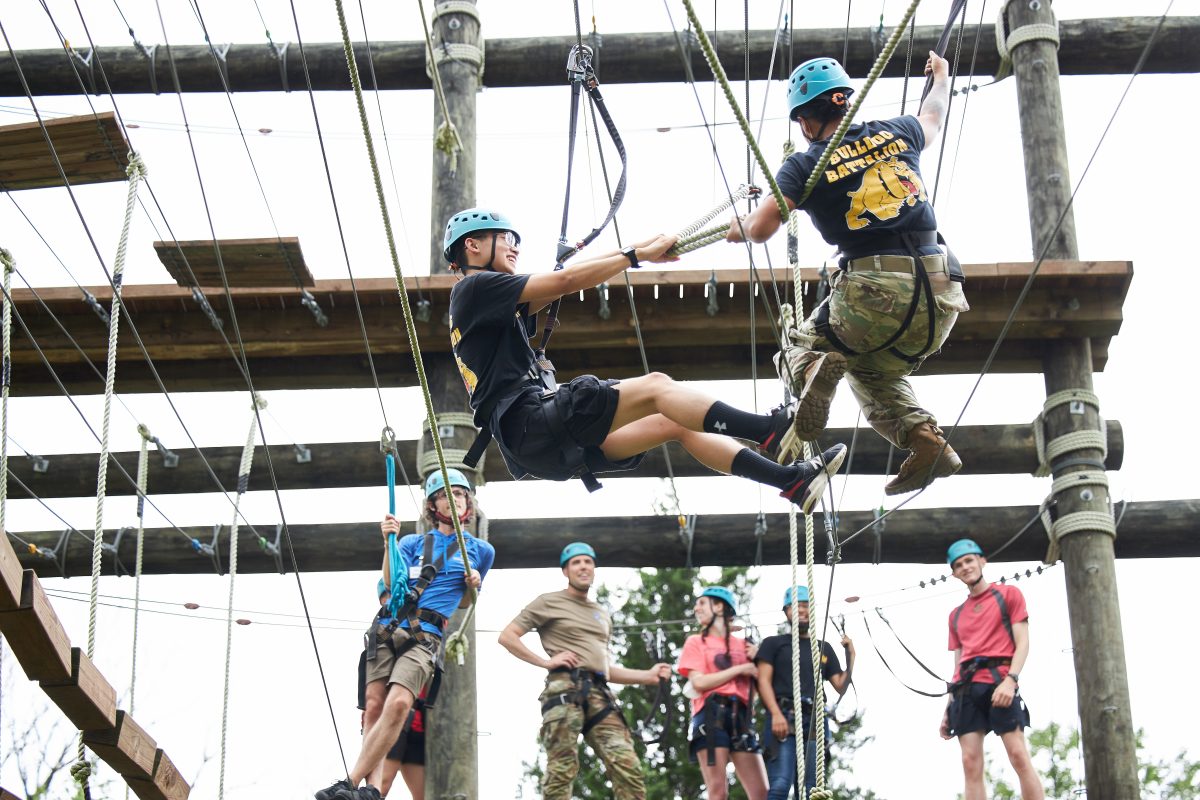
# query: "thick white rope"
[[136, 171], [143, 477], [794, 559], [6, 260], [243, 484]]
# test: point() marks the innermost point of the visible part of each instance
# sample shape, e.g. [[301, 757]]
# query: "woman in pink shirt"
[[720, 671]]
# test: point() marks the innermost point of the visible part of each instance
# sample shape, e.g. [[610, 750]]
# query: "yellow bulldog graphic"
[[886, 187]]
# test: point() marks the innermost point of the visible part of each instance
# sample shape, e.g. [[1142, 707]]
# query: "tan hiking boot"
[[816, 395], [926, 446]]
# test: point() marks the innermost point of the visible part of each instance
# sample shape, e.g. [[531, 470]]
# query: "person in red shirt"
[[720, 671], [989, 634]]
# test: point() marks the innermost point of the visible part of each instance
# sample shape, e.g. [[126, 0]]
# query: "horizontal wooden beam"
[[1169, 529], [90, 149], [246, 262], [286, 348], [985, 450], [1103, 46]]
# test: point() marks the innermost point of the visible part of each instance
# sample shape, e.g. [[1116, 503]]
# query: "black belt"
[[967, 670], [584, 681]]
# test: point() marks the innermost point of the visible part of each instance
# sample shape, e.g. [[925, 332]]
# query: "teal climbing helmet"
[[722, 594], [812, 79], [434, 482], [962, 548], [576, 549], [801, 595], [473, 220]]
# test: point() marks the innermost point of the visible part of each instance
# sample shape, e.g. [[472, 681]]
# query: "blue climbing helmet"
[[576, 549], [722, 594], [434, 482], [801, 596], [962, 548], [473, 220], [812, 79]]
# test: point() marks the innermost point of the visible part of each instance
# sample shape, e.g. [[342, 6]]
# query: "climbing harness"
[[731, 713], [662, 692], [584, 681]]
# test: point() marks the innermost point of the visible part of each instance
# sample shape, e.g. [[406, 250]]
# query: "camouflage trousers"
[[865, 310], [610, 738]]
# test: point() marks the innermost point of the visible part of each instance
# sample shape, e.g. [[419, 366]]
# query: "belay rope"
[[242, 485], [136, 171], [410, 327]]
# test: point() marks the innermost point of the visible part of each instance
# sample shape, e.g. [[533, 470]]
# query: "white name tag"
[[414, 572]]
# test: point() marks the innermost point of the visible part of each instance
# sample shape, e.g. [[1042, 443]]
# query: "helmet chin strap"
[[488, 266], [463, 518]]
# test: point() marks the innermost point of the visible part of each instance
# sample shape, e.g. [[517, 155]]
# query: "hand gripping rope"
[[583, 79], [409, 326]]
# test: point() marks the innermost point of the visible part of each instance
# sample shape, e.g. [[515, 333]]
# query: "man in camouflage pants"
[[896, 293], [574, 631]]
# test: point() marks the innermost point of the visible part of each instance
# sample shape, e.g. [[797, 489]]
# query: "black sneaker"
[[340, 790], [814, 477], [781, 422], [368, 792]]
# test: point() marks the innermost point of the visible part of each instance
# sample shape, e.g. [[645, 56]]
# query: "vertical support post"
[[451, 726], [1110, 760], [454, 190]]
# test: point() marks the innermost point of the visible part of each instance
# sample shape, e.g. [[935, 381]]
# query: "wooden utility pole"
[[1110, 760], [458, 46]]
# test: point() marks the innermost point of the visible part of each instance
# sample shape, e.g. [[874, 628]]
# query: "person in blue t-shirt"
[[896, 293], [401, 658]]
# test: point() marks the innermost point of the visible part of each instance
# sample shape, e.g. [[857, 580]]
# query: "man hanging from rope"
[[896, 294], [574, 631], [774, 660], [989, 634], [590, 425], [403, 648]]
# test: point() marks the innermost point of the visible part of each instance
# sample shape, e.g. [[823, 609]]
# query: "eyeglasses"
[[458, 494], [511, 238]]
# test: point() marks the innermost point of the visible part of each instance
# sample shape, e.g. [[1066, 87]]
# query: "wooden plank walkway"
[[248, 262], [92, 149]]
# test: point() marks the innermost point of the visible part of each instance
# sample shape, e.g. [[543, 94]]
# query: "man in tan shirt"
[[574, 631]]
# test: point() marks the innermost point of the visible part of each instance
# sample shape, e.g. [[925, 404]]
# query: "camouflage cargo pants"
[[610, 738], [865, 310]]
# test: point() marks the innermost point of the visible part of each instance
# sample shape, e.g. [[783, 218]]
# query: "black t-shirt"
[[872, 185], [777, 651], [489, 332]]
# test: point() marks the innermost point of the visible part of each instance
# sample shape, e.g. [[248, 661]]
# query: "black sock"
[[749, 464], [727, 420]]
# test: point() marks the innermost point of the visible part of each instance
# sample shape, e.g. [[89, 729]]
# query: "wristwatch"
[[631, 253]]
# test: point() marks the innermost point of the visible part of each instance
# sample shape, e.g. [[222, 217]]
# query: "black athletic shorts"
[[409, 748], [586, 406], [972, 710]]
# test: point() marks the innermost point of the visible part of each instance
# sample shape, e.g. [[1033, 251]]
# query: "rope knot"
[[448, 141], [821, 794], [6, 258], [145, 432], [136, 168], [259, 401], [81, 771]]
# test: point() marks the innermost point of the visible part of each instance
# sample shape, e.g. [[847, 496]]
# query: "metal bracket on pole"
[[115, 549], [41, 464], [604, 312], [303, 454], [150, 53], [220, 51], [687, 533], [310, 302], [711, 290], [212, 550], [280, 52], [272, 548]]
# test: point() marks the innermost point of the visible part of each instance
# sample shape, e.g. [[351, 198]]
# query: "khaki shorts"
[[412, 669]]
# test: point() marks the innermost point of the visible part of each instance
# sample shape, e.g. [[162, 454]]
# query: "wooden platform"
[[91, 151], [1167, 529], [256, 263], [985, 450], [286, 349]]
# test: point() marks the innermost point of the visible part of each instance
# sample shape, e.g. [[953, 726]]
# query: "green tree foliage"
[[1056, 755]]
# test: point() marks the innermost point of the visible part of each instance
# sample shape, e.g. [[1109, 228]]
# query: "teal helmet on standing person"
[[963, 547], [474, 220], [434, 483], [801, 595], [576, 549], [722, 594], [812, 79]]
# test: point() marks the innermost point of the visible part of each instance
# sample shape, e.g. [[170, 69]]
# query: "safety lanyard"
[[943, 41]]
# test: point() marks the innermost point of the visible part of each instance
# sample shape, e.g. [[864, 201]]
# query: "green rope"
[[714, 63], [881, 61], [243, 484], [136, 171], [409, 326]]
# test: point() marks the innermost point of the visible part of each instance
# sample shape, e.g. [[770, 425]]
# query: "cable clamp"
[[41, 464], [115, 550], [202, 301], [310, 302], [303, 453], [212, 550], [687, 534], [604, 312], [91, 300], [219, 53], [280, 51], [272, 548], [710, 291]]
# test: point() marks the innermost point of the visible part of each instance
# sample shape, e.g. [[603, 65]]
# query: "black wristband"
[[631, 253]]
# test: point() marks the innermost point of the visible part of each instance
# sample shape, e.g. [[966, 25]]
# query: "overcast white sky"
[[1132, 205]]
